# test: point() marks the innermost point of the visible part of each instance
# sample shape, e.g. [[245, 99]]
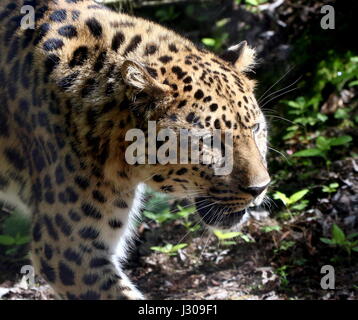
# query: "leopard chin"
[[217, 215]]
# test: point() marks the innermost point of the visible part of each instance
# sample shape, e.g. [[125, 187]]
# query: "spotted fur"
[[70, 90]]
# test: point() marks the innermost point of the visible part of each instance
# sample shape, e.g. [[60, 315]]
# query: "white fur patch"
[[13, 200]]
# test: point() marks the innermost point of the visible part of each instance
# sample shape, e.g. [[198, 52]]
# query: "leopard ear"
[[241, 56], [142, 78]]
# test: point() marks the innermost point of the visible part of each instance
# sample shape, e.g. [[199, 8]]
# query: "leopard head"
[[195, 90]]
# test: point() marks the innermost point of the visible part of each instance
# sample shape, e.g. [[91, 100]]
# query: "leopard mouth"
[[214, 214]]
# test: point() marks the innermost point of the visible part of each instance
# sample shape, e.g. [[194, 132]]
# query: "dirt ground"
[[206, 269]]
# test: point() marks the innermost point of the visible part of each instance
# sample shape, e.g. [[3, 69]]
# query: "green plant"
[[159, 217], [219, 36], [323, 146], [293, 203], [225, 237], [253, 3], [304, 112], [335, 71], [167, 14], [282, 274], [15, 232], [268, 229], [284, 246], [18, 240], [183, 214], [331, 188], [169, 249], [157, 207], [341, 240]]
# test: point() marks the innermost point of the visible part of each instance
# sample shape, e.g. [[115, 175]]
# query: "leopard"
[[71, 87]]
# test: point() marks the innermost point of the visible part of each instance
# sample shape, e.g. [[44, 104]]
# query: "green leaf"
[[228, 243], [353, 83], [281, 196], [298, 196], [341, 113], [157, 202], [252, 2], [332, 187], [338, 234], [352, 235], [289, 135], [17, 224], [22, 240], [169, 248], [210, 42], [313, 152], [226, 235], [323, 143], [246, 238], [185, 212], [355, 249], [300, 206], [6, 240], [160, 217], [271, 228], [165, 249], [150, 215], [322, 117], [340, 140], [327, 241], [285, 245], [179, 246], [221, 23], [160, 249]]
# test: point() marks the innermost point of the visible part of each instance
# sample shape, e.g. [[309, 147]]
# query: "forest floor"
[[258, 269]]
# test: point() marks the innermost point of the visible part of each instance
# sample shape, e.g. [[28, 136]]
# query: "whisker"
[[206, 244], [278, 117], [278, 81], [277, 91], [282, 118], [280, 153], [281, 94], [201, 219]]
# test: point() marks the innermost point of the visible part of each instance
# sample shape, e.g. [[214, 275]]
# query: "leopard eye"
[[255, 128]]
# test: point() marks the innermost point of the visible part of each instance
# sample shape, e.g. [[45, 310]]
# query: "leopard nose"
[[255, 191]]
